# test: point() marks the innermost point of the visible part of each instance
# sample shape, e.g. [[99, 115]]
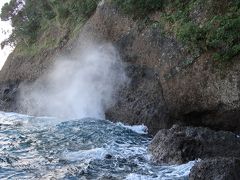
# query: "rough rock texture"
[[8, 93], [20, 68], [182, 144], [167, 83], [216, 169], [23, 66], [27, 66], [142, 101]]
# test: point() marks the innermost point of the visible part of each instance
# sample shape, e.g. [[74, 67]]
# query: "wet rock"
[[141, 102], [108, 156], [182, 144], [216, 169]]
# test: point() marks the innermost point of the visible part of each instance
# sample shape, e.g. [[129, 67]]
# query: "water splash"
[[80, 85], [79, 149]]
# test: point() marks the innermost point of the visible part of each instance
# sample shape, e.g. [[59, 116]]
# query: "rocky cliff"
[[168, 84]]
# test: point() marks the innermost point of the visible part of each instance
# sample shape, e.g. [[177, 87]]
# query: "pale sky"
[[5, 30]]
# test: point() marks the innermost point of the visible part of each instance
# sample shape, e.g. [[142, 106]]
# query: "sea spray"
[[82, 84]]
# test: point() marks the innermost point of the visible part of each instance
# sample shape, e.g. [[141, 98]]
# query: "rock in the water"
[[182, 144], [142, 102], [216, 169]]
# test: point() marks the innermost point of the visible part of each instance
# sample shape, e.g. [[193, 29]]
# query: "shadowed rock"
[[182, 144], [216, 169]]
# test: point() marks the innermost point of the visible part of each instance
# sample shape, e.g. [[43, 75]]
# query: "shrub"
[[139, 8], [223, 35], [192, 35], [218, 33]]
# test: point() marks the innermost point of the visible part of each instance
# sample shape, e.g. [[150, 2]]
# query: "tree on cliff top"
[[28, 16]]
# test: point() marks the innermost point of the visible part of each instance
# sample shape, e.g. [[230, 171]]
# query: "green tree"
[[29, 16]]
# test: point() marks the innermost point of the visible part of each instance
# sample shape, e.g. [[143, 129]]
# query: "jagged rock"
[[141, 102], [216, 169], [182, 144]]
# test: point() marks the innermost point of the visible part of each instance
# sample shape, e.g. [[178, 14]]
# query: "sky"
[[5, 30]]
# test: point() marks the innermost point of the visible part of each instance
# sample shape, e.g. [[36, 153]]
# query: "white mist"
[[78, 86]]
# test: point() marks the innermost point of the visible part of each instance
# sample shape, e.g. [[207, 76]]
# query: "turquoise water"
[[50, 148]]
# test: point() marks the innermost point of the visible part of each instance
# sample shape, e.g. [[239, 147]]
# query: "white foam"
[[97, 153], [179, 170], [11, 118], [126, 150], [134, 176], [166, 173], [140, 129]]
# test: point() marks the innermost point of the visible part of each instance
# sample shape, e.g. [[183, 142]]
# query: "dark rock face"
[[216, 169], [177, 85], [182, 144], [8, 93], [142, 101]]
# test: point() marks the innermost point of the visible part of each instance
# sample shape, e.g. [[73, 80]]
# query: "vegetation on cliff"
[[202, 25], [217, 30], [44, 24], [139, 8]]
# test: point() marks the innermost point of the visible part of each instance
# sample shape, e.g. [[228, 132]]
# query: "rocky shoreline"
[[168, 86], [217, 152]]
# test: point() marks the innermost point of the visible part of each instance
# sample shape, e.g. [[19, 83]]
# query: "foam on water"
[[12, 118], [166, 173], [46, 147], [140, 129], [96, 153]]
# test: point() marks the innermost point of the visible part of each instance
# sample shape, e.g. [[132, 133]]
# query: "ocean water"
[[51, 148]]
